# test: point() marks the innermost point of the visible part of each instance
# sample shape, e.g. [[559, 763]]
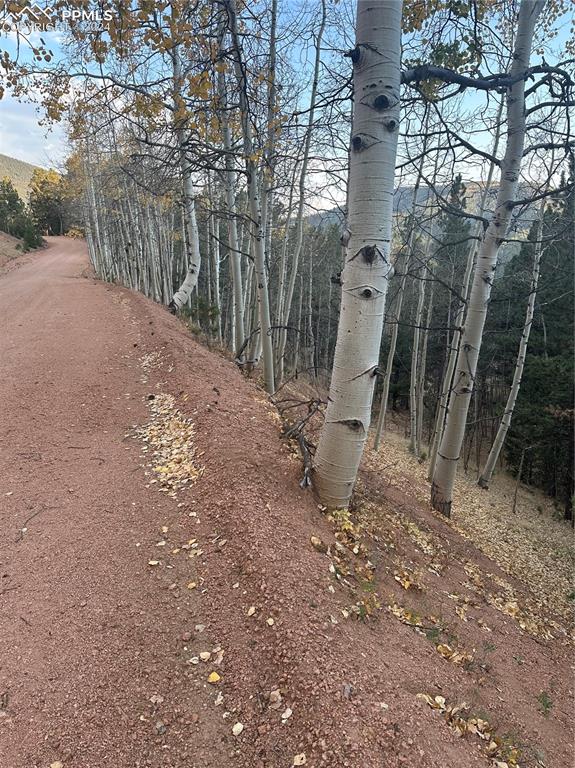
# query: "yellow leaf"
[[213, 678]]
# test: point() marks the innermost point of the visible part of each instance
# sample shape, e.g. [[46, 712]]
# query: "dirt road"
[[86, 637]]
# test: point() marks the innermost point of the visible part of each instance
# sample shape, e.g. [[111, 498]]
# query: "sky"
[[23, 137]]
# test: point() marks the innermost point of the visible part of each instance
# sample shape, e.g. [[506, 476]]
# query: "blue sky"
[[23, 137], [21, 134]]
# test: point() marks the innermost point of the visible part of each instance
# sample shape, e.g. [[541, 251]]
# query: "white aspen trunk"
[[283, 258], [216, 275], [298, 325], [422, 370], [284, 320], [193, 260], [487, 472], [454, 344], [269, 153], [398, 307], [452, 440], [413, 379], [391, 355], [309, 335], [247, 297], [230, 207], [254, 204], [280, 358], [367, 240], [328, 332]]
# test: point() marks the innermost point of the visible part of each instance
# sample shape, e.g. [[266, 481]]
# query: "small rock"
[[237, 729], [160, 727], [275, 699]]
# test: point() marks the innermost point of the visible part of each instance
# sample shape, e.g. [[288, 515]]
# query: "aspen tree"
[[452, 440], [487, 472], [367, 241], [258, 232], [454, 342], [284, 319], [193, 256]]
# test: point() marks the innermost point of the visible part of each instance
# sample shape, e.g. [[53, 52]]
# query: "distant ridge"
[[19, 173]]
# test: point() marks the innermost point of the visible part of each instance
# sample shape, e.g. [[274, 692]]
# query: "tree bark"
[[450, 447], [254, 203], [193, 260], [455, 341], [367, 239], [284, 320], [487, 472], [413, 384], [396, 318]]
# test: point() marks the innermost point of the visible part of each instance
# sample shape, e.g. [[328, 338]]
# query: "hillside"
[[19, 173], [8, 248]]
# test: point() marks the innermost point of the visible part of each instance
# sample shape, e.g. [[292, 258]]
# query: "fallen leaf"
[[153, 562], [251, 610], [237, 729], [300, 759], [213, 678]]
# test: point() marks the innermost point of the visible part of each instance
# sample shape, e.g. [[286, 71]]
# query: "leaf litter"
[[459, 718], [169, 437]]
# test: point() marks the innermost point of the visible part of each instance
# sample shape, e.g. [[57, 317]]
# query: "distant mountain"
[[403, 200], [19, 173]]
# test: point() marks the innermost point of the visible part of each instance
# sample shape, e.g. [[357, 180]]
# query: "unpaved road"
[[86, 638]]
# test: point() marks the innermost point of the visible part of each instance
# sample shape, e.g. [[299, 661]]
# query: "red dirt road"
[[100, 651], [86, 638]]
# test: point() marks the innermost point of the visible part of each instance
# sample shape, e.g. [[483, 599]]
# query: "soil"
[[117, 572], [10, 248]]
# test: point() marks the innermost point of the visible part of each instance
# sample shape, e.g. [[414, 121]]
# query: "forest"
[[211, 168], [314, 263]]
